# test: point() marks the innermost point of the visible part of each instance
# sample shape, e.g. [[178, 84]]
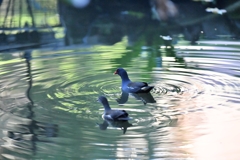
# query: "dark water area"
[[48, 95]]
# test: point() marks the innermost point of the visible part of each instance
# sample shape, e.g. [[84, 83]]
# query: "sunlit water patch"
[[54, 97]]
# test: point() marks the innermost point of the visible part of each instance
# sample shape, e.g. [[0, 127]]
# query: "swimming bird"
[[132, 87], [110, 114]]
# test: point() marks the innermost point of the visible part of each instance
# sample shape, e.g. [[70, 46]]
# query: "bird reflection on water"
[[123, 124], [144, 97]]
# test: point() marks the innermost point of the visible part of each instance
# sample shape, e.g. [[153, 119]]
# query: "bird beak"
[[115, 73]]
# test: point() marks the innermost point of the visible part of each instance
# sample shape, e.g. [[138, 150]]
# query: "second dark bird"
[[132, 87]]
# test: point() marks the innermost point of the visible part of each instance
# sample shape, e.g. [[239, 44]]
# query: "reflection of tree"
[[28, 57], [23, 132]]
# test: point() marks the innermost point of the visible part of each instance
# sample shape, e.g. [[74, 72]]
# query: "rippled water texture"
[[49, 108]]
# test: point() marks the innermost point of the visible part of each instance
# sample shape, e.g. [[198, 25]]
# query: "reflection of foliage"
[[73, 78], [70, 75]]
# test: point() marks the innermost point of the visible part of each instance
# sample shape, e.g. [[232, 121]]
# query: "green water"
[[196, 110]]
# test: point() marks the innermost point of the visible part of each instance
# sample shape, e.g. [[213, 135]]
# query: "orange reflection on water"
[[210, 135]]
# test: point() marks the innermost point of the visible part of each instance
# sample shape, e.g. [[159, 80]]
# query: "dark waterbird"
[[112, 114], [132, 87]]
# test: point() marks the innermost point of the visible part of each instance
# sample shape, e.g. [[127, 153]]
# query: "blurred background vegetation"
[[38, 23]]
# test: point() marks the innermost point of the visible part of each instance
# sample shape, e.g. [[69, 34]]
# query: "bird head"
[[120, 71], [102, 100]]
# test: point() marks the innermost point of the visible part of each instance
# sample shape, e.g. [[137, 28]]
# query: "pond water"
[[49, 108]]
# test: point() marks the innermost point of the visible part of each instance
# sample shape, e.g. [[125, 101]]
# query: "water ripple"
[[189, 94]]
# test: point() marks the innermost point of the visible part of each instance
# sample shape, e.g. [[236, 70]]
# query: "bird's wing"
[[137, 84], [116, 114]]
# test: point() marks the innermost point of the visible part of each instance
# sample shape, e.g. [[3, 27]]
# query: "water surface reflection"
[[144, 97], [123, 125], [20, 131], [192, 112]]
